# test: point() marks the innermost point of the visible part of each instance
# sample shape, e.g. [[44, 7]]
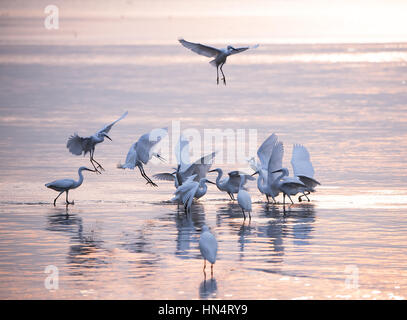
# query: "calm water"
[[123, 239]]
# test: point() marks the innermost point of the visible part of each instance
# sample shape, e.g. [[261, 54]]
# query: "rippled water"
[[123, 239]]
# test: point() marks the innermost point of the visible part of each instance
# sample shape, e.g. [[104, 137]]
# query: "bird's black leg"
[[211, 270], [92, 161], [55, 200], [67, 202], [231, 196], [268, 201], [99, 165], [290, 199], [250, 216], [244, 216], [217, 74], [149, 181], [224, 78]]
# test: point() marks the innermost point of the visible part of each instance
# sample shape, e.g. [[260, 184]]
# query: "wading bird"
[[189, 190], [208, 245], [271, 154], [64, 185], [220, 55], [77, 144], [142, 151], [303, 169], [289, 186], [199, 168], [243, 198], [230, 184]]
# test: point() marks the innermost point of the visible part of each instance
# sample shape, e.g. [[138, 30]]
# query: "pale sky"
[[162, 21]]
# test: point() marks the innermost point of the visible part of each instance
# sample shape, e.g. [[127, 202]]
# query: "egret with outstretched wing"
[[142, 151], [230, 184], [220, 55], [303, 169], [78, 145]]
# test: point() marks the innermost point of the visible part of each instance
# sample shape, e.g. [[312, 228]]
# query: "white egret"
[[303, 169], [143, 150], [199, 168], [271, 154], [64, 185], [208, 245], [77, 144], [230, 184], [243, 198], [289, 186], [189, 190], [220, 55]]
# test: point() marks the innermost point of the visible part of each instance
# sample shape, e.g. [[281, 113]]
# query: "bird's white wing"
[[60, 184], [301, 161], [265, 150], [107, 128], [200, 48], [164, 176], [182, 153], [147, 142], [275, 161], [292, 182], [77, 144], [130, 158], [200, 167], [238, 50]]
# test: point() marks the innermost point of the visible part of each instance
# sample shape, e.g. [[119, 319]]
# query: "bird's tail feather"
[[213, 62]]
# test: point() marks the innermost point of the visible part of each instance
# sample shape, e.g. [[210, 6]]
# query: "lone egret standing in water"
[[64, 185], [244, 199], [208, 245], [220, 55], [77, 144], [143, 150], [303, 169]]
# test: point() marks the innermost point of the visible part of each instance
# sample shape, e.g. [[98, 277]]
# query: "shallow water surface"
[[123, 239]]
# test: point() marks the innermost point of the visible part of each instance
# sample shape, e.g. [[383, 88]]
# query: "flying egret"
[[244, 199], [142, 151], [270, 154], [64, 185], [230, 184], [185, 170], [220, 55], [289, 186], [77, 144], [303, 169], [189, 190], [208, 245]]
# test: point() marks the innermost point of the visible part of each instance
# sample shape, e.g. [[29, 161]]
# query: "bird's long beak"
[[161, 158], [89, 170], [210, 182], [212, 170], [279, 170], [108, 137], [255, 173]]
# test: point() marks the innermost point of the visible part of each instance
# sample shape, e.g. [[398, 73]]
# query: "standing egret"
[[189, 190], [244, 199], [142, 151], [64, 185], [208, 245], [230, 184], [220, 55], [77, 144], [303, 169], [289, 186]]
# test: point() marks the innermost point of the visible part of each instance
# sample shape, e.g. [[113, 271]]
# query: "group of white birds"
[[190, 178]]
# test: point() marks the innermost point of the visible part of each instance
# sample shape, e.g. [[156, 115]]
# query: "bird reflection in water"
[[187, 226], [208, 288]]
